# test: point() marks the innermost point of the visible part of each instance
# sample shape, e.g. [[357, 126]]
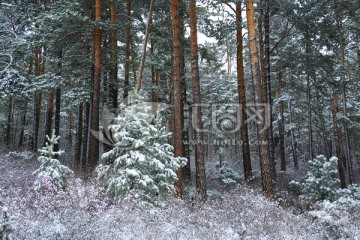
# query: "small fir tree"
[[141, 165], [319, 181], [51, 172]]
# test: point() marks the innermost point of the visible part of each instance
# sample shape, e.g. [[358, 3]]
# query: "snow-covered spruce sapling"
[[319, 181], [51, 172], [227, 175], [142, 163]]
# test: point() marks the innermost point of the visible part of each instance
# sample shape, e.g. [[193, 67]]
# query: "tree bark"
[[280, 121], [262, 50], [242, 97], [10, 121], [37, 103], [86, 130], [293, 141], [114, 58], [142, 64], [58, 106], [79, 138], [197, 116], [94, 125], [308, 92], [185, 111], [128, 52], [177, 131], [49, 114], [23, 117], [338, 143], [255, 70], [268, 89], [342, 46]]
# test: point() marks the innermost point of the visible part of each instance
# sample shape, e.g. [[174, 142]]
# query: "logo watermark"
[[217, 118]]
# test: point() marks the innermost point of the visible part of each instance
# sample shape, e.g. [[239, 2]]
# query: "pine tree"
[[143, 166], [319, 181], [50, 168]]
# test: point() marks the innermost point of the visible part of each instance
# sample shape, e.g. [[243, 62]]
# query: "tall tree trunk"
[[23, 117], [293, 141], [114, 58], [197, 118], [342, 46], [128, 51], [22, 125], [10, 121], [177, 131], [70, 126], [242, 97], [49, 113], [308, 92], [58, 105], [142, 64], [94, 125], [262, 49], [255, 69], [338, 143], [270, 136], [79, 138], [280, 121], [37, 102], [86, 130], [185, 110]]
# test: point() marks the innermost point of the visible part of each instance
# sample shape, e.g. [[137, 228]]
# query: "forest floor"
[[84, 212]]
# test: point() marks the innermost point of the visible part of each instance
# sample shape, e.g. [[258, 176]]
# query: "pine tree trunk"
[[265, 165], [114, 58], [69, 133], [23, 117], [79, 138], [262, 50], [177, 112], [127, 52], [22, 124], [197, 116], [308, 92], [37, 103], [49, 114], [143, 57], [94, 125], [293, 141], [338, 143], [242, 97], [270, 136], [281, 126], [342, 46], [10, 121], [58, 106], [185, 111], [86, 131]]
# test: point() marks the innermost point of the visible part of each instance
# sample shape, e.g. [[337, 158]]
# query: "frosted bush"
[[340, 217], [319, 181], [51, 174], [5, 224], [352, 192], [142, 165], [20, 155]]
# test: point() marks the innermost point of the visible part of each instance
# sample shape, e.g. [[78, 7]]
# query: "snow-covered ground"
[[84, 212]]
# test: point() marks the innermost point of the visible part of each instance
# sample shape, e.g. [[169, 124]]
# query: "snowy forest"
[[179, 119]]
